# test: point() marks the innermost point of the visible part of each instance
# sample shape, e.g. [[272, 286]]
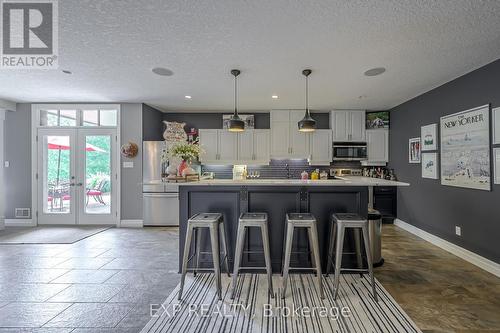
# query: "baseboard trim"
[[131, 224], [473, 258], [20, 223]]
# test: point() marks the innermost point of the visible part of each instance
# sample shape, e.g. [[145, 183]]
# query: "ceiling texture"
[[111, 47]]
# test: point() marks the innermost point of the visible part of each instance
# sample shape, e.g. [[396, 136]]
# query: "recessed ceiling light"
[[375, 71], [274, 96], [187, 97], [162, 71], [65, 71]]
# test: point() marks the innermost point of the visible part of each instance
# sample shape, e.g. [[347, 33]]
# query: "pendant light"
[[307, 124], [235, 122]]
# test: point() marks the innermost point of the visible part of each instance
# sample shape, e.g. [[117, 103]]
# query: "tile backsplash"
[[275, 170]]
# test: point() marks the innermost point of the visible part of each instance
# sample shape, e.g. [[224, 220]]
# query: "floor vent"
[[23, 213]]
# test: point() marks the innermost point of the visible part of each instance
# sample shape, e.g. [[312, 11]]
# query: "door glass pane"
[[98, 174], [90, 118], [56, 174], [108, 118], [67, 118]]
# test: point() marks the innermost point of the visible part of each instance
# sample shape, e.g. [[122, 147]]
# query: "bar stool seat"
[[247, 220], [215, 223], [302, 220], [341, 222]]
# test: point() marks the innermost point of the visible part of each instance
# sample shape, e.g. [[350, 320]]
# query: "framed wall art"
[[465, 149], [428, 135], [430, 165], [414, 150]]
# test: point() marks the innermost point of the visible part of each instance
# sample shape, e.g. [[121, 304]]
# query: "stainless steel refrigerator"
[[160, 200]]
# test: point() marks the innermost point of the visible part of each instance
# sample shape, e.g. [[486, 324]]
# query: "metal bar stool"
[[302, 220], [214, 222], [248, 220], [341, 222]]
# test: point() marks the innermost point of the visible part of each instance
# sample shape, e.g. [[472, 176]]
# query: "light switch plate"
[[6, 164], [458, 231], [128, 165]]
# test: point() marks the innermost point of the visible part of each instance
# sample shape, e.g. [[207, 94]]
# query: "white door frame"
[[35, 124], [2, 187]]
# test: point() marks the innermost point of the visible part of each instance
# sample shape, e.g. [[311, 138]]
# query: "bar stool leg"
[[288, 250], [331, 247], [357, 244], [185, 257], [338, 258], [313, 234], [240, 242], [369, 259], [214, 238], [311, 249], [197, 249], [267, 255], [224, 247]]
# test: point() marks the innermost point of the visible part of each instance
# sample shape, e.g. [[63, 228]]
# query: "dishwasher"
[[161, 204]]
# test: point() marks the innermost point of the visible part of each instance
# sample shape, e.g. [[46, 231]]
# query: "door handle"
[[72, 184]]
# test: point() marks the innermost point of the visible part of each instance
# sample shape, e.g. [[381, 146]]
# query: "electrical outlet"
[[6, 164], [458, 231]]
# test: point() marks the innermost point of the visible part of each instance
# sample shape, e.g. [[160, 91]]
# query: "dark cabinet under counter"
[[385, 201]]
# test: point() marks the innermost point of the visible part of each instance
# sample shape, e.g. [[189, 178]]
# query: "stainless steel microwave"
[[350, 151]]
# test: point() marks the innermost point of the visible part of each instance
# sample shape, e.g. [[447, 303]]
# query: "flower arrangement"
[[186, 151]]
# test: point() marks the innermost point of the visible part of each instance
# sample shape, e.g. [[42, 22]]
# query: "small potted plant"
[[188, 153]]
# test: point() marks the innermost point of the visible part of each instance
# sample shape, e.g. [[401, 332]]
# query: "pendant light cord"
[[307, 95], [235, 96]]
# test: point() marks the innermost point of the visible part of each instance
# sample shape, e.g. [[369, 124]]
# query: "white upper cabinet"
[[321, 147], [209, 139], [348, 125], [286, 140], [377, 141], [261, 144], [223, 147], [496, 126], [228, 146]]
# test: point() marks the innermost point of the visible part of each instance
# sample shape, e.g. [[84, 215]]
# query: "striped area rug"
[[302, 311]]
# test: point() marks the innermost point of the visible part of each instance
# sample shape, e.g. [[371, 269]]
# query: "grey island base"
[[276, 198]]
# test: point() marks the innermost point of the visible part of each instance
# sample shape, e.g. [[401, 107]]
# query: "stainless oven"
[[350, 151]]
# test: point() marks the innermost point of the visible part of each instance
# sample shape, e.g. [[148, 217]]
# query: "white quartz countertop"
[[343, 181]]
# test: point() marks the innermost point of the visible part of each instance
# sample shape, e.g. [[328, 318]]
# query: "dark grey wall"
[[427, 204], [17, 150], [152, 125]]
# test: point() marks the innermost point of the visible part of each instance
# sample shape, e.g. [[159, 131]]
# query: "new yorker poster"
[[465, 149]]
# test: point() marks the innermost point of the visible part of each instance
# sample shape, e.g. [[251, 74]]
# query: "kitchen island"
[[276, 197]]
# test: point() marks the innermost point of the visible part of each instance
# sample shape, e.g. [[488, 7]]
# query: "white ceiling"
[[111, 47]]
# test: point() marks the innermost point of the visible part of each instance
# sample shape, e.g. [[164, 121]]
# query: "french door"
[[77, 176]]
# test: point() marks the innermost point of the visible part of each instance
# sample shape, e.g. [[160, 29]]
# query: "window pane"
[[56, 175], [90, 118], [108, 118], [48, 118], [67, 118], [98, 174]]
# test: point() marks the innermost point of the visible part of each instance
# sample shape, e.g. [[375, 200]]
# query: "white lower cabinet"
[[224, 147], [321, 147], [377, 141]]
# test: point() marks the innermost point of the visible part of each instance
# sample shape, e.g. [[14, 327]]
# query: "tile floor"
[[105, 283]]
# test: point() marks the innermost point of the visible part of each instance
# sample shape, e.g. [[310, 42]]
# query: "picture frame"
[[249, 120], [429, 137], [496, 126], [377, 119], [466, 149], [414, 151], [430, 165], [496, 165]]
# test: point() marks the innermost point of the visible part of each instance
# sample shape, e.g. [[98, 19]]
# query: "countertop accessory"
[[236, 124], [307, 124]]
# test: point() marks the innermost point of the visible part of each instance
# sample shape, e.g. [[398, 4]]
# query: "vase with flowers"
[[187, 153]]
